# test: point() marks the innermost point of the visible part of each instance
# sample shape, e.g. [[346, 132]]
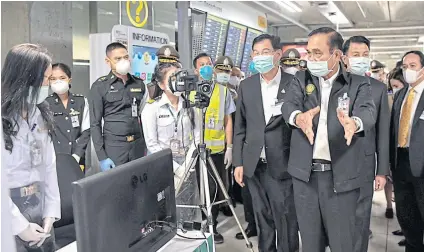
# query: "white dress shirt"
[[419, 90], [269, 91], [21, 172], [159, 125]]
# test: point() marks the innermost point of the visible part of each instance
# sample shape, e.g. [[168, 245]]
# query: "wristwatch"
[[294, 118], [357, 123]]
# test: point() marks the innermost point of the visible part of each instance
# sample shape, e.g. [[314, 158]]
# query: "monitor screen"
[[112, 208], [143, 62]]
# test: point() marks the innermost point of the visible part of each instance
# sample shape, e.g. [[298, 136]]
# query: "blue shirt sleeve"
[[230, 106]]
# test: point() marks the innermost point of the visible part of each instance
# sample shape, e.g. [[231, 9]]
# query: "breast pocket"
[[114, 95], [165, 126]]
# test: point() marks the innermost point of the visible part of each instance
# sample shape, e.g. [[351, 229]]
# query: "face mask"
[[359, 65], [206, 72], [375, 76], [319, 68], [234, 80], [222, 77], [395, 90], [411, 76], [291, 70], [60, 87], [42, 94], [264, 63], [123, 67], [252, 68]]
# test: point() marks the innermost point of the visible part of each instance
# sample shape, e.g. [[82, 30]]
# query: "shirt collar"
[[164, 100], [275, 81], [418, 88], [331, 80]]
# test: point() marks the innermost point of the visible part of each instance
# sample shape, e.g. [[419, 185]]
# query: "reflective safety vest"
[[214, 119]]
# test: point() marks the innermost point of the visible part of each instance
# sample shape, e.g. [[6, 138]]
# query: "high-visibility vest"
[[214, 119]]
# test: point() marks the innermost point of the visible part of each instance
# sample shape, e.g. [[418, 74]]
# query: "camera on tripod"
[[185, 81]]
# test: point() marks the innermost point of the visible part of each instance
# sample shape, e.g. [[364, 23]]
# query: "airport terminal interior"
[[76, 33]]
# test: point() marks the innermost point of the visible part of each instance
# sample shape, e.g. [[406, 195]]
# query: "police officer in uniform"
[[290, 61], [377, 71], [71, 115], [117, 98]]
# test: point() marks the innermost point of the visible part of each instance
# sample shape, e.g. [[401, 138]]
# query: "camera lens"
[[206, 89]]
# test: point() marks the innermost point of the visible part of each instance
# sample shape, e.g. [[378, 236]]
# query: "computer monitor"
[[112, 208]]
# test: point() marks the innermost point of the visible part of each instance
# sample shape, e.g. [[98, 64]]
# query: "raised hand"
[[304, 122], [348, 124]]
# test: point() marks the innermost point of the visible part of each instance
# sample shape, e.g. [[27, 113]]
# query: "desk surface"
[[176, 244]]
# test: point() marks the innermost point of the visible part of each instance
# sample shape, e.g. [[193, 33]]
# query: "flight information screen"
[[214, 38], [235, 42], [251, 35]]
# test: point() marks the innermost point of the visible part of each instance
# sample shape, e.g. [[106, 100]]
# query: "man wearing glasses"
[[329, 109], [262, 148]]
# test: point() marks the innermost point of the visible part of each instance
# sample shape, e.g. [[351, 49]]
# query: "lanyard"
[[176, 118]]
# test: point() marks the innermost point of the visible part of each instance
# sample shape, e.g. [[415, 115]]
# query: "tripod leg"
[[230, 204], [206, 193]]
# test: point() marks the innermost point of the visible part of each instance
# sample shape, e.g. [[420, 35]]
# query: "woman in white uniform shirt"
[[29, 156]]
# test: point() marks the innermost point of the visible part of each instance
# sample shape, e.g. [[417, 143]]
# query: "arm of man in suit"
[[239, 137], [364, 108], [383, 141]]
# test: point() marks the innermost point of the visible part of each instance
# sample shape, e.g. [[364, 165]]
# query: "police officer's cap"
[[224, 63], [168, 54], [291, 57], [376, 66]]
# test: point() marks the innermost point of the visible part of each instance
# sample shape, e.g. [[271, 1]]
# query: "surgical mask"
[[375, 76], [359, 65], [319, 68], [411, 76], [264, 63], [60, 87], [42, 94], [206, 72], [123, 67], [234, 80], [395, 90], [291, 70], [222, 77], [252, 68]]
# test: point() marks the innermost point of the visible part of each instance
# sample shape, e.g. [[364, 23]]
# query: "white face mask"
[[320, 68], [411, 76], [396, 90], [375, 76], [291, 70], [234, 80], [42, 94], [222, 77], [123, 67], [60, 87], [359, 65]]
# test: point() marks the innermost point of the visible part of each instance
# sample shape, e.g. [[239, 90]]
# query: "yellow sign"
[[141, 7], [310, 88], [262, 22]]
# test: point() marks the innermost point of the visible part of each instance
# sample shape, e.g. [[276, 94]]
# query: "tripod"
[[202, 154]]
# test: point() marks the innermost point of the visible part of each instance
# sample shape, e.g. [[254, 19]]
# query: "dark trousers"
[[123, 152], [409, 197], [249, 214], [325, 215], [363, 217], [31, 208], [274, 211]]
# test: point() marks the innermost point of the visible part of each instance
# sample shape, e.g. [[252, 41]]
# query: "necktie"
[[405, 118]]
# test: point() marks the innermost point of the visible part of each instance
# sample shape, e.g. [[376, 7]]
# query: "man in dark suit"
[[407, 151], [262, 147], [356, 50], [327, 151]]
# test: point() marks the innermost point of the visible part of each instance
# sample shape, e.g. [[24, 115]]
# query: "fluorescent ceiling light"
[[383, 29], [289, 6], [333, 13], [421, 39], [387, 52], [397, 47], [395, 56], [393, 40]]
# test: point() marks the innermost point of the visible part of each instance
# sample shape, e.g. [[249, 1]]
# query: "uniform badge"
[[167, 52], [310, 88], [135, 90], [74, 112], [163, 116], [225, 62], [292, 55], [373, 64]]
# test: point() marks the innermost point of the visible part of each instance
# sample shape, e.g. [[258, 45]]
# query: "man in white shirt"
[[330, 110], [406, 151], [262, 148]]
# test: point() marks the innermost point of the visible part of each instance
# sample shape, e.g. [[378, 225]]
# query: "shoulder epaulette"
[[103, 78], [78, 95]]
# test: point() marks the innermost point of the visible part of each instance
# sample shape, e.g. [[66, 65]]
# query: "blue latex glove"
[[107, 164]]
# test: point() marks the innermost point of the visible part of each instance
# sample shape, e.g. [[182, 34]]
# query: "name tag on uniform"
[[164, 116], [276, 108], [135, 90], [75, 121], [134, 110]]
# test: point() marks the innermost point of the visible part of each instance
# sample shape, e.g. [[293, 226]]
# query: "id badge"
[[75, 121], [211, 123], [35, 153], [175, 146], [276, 108], [343, 104], [134, 110]]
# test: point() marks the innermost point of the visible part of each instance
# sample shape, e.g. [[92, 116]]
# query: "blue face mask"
[[206, 72], [264, 63], [359, 65], [320, 68], [223, 77], [252, 68]]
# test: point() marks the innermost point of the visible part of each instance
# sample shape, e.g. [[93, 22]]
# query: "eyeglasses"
[[265, 52]]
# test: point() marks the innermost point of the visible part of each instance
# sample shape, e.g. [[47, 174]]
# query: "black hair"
[[335, 40], [419, 53], [355, 39], [275, 41], [113, 46], [23, 69], [65, 68], [200, 55], [395, 74], [159, 75]]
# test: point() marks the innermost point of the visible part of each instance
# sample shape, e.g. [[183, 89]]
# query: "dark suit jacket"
[[378, 136], [416, 145], [304, 94], [251, 133]]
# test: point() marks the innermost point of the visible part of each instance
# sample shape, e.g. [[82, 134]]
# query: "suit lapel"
[[258, 102], [419, 110]]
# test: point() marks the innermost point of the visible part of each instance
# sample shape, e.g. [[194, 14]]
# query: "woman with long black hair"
[[29, 153]]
